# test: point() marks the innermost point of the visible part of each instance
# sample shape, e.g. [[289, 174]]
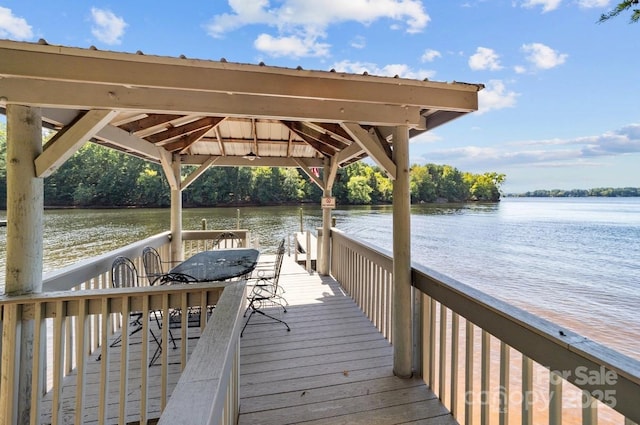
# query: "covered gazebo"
[[183, 111]]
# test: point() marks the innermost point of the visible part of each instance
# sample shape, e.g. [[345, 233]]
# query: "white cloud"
[[519, 69], [547, 5], [401, 70], [583, 151], [495, 96], [309, 20], [108, 27], [587, 4], [290, 46], [13, 27], [485, 59], [430, 55], [543, 57]]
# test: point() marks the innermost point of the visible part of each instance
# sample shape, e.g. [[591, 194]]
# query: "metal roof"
[[218, 112]]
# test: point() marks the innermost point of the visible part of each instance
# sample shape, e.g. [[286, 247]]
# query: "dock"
[[306, 249], [333, 367], [3, 223]]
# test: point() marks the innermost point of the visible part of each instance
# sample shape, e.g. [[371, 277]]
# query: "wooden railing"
[[79, 313], [488, 361], [76, 309], [208, 389]]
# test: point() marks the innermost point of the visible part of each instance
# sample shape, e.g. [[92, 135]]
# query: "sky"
[[560, 105]]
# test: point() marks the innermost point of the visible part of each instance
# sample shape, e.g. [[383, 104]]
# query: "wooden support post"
[[176, 213], [25, 206], [323, 260], [402, 327]]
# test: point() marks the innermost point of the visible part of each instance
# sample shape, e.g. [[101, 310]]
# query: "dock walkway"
[[333, 367]]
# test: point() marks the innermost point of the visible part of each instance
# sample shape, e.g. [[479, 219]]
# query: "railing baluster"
[[485, 369], [468, 374], [165, 348], [455, 329], [58, 366], [426, 339], [527, 390], [104, 361], [589, 409], [124, 358], [144, 361], [504, 383], [442, 360], [555, 398], [432, 343], [39, 357], [82, 348]]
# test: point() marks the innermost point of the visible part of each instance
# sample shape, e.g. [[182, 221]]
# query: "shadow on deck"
[[334, 367]]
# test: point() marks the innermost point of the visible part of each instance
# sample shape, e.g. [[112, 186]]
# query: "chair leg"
[[254, 310]]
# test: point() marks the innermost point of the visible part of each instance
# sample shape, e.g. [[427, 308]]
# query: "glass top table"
[[215, 265]]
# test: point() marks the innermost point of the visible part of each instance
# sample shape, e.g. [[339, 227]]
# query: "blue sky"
[[560, 107]]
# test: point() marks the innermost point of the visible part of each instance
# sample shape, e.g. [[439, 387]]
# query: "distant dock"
[[3, 223]]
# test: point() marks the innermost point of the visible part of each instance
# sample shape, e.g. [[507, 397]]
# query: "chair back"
[[227, 240], [123, 273], [152, 264], [278, 264]]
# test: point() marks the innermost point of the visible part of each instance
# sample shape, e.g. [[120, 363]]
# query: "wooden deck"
[[333, 367]]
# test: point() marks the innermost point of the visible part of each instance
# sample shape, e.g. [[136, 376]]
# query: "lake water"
[[575, 261]]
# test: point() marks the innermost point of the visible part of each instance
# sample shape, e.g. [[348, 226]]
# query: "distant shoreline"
[[600, 192]]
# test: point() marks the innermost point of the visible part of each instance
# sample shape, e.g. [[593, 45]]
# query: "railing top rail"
[[70, 276], [199, 396], [95, 296]]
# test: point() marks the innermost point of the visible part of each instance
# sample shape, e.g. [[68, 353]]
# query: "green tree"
[[620, 8], [359, 191]]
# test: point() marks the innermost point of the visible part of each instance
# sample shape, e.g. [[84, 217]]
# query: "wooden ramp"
[[333, 367]]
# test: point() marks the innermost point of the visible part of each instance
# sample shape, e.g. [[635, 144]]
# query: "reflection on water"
[[573, 261]]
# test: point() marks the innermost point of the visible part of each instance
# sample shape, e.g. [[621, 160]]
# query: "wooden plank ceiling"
[[214, 111]]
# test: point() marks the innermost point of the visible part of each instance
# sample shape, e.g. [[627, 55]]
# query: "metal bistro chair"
[[155, 275], [125, 275], [266, 294], [226, 240]]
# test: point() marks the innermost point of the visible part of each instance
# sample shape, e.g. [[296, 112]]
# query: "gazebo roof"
[[218, 112]]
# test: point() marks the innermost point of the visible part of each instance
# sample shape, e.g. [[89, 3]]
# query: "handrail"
[[603, 375], [81, 271], [207, 390]]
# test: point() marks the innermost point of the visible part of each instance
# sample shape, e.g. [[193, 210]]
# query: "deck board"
[[333, 367]]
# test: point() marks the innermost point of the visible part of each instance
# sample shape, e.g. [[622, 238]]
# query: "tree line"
[[609, 192], [99, 177]]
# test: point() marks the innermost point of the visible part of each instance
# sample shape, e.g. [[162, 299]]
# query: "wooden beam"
[[151, 120], [71, 138], [182, 144], [349, 153], [320, 147], [41, 62], [320, 136], [118, 137], [198, 172], [79, 95], [265, 161], [331, 172], [182, 130], [372, 146], [308, 172], [166, 160]]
